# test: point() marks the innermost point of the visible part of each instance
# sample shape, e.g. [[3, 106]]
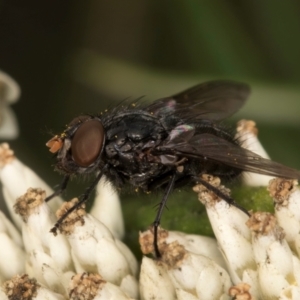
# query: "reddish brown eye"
[[87, 143]]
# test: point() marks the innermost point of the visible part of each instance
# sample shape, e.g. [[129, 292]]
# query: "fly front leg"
[[83, 198], [60, 188]]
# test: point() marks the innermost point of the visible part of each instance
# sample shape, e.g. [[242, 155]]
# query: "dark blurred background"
[[71, 57]]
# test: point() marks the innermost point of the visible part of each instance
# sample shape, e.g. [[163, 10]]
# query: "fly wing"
[[221, 151], [213, 100]]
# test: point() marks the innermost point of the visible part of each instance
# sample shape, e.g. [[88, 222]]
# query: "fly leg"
[[83, 198], [60, 189], [220, 194], [161, 207]]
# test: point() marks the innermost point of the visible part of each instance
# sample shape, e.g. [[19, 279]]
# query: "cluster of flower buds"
[[86, 260], [251, 258]]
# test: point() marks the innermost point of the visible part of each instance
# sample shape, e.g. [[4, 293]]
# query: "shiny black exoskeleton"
[[163, 145]]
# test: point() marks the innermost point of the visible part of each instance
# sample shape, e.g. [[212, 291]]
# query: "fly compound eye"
[[87, 143]]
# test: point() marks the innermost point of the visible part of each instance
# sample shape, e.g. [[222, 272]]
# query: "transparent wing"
[[213, 100], [219, 150]]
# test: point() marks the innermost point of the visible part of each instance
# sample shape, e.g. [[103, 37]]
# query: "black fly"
[[164, 145]]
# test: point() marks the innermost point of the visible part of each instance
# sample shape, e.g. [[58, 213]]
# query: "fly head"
[[79, 147]]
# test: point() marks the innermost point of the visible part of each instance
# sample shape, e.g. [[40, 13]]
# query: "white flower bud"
[[201, 275], [9, 93], [155, 283], [247, 135], [23, 287], [9, 124], [296, 266], [16, 178], [12, 91], [190, 272], [271, 282], [94, 287], [38, 220], [241, 291], [44, 293], [46, 272], [250, 277], [130, 287], [3, 296], [10, 229], [183, 295], [48, 257], [12, 255], [132, 262], [272, 254], [93, 247], [286, 197], [228, 223], [111, 263], [198, 244], [107, 208], [111, 291], [290, 293]]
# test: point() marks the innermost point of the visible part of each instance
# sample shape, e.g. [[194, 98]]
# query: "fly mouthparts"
[[54, 144]]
